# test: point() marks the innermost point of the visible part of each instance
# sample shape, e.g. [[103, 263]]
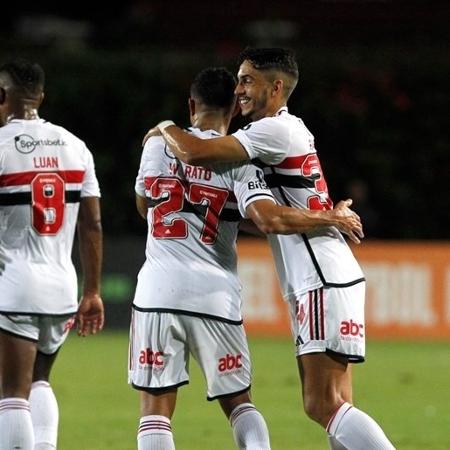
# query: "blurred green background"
[[403, 385]]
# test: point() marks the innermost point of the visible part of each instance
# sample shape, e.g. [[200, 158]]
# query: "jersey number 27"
[[172, 195]]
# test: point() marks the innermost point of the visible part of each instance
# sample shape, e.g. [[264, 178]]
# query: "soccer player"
[[187, 299], [47, 183], [319, 276]]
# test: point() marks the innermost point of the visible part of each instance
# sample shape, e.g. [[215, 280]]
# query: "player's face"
[[253, 92]]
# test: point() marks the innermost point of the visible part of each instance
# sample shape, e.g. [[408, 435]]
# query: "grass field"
[[405, 386]]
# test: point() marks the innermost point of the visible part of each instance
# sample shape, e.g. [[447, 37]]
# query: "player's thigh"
[[325, 376], [330, 320], [229, 403], [221, 349], [158, 352], [18, 345], [326, 384], [53, 331], [161, 403]]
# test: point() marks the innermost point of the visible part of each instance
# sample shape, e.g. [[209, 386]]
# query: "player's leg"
[[329, 329], [155, 430], [53, 332], [17, 354], [250, 430], [44, 407], [158, 365], [227, 369], [324, 380]]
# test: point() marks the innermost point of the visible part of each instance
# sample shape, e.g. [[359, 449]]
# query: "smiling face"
[[255, 92]]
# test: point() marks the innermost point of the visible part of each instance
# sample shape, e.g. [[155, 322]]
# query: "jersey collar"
[[280, 111]]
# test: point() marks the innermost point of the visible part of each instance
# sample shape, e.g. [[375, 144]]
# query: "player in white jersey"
[[187, 299], [47, 187], [319, 276]]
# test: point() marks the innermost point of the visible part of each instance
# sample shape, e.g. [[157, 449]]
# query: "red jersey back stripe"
[[20, 178], [293, 162]]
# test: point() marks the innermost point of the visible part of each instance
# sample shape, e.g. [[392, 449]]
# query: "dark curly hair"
[[214, 87], [280, 59], [27, 77]]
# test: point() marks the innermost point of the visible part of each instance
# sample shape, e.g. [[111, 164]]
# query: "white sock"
[[155, 433], [335, 444], [45, 415], [16, 429], [249, 428], [355, 430]]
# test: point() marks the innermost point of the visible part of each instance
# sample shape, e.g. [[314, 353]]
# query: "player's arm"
[[272, 218], [248, 226], [90, 316], [141, 205], [195, 151]]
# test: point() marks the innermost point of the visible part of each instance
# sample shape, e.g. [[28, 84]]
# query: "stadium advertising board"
[[408, 289]]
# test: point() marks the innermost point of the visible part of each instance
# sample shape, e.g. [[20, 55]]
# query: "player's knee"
[[313, 409], [320, 408]]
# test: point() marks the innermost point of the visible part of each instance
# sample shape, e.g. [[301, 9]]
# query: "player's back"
[[43, 171], [193, 219], [285, 149]]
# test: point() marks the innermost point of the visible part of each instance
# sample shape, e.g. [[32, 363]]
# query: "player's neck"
[[23, 112], [208, 121]]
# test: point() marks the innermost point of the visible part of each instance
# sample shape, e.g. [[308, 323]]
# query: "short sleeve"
[[267, 139], [250, 186], [90, 187], [150, 162]]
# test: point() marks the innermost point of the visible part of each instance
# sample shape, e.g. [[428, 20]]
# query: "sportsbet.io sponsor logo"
[[26, 144]]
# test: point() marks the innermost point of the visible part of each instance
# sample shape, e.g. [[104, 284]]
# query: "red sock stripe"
[[335, 413], [154, 425], [241, 411], [6, 405]]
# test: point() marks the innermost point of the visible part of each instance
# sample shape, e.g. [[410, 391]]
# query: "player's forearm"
[[290, 220], [198, 152], [91, 251], [90, 237], [185, 147]]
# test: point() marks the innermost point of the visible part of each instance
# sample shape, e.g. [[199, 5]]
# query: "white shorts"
[[49, 332], [160, 345], [330, 320]]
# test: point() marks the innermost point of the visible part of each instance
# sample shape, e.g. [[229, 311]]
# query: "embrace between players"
[[187, 299]]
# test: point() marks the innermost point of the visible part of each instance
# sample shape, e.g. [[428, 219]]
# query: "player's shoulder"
[[62, 131], [153, 143]]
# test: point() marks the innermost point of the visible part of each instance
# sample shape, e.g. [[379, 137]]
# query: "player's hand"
[[91, 315], [348, 222], [150, 133]]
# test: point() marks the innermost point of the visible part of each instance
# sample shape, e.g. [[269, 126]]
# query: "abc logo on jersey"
[[229, 363], [148, 357], [350, 329]]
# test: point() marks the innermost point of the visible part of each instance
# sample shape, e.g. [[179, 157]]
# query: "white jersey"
[[193, 219], [285, 150], [44, 170]]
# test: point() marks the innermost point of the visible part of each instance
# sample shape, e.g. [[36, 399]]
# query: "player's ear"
[[277, 87]]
